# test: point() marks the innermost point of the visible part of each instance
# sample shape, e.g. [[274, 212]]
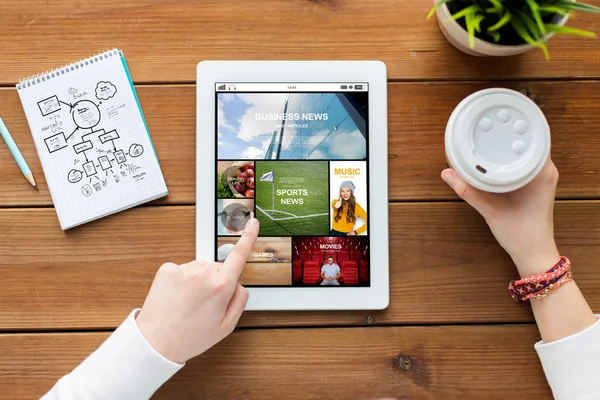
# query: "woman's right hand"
[[522, 221], [338, 203], [191, 307]]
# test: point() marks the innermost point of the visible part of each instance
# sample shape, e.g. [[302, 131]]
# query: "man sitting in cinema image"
[[330, 273]]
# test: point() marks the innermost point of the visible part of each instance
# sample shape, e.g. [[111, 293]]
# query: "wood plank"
[[357, 363], [164, 41], [446, 267], [418, 113]]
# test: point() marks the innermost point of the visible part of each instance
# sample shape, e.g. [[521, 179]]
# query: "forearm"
[[570, 347], [562, 313], [124, 367], [565, 311]]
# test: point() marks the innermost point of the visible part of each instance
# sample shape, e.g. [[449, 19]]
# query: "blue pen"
[[12, 146]]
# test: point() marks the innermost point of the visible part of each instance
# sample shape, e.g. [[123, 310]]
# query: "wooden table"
[[451, 330]]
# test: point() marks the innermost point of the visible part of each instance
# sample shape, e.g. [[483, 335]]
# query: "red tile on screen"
[[330, 261]]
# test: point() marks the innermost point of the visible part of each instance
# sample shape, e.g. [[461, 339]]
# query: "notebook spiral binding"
[[65, 69]]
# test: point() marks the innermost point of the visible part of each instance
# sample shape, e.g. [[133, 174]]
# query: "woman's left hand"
[[353, 233]]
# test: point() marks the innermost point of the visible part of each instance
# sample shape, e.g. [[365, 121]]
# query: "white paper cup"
[[497, 140]]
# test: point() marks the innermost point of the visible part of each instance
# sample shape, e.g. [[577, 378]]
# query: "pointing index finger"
[[236, 260]]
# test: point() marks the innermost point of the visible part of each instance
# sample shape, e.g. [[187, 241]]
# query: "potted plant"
[[506, 27]]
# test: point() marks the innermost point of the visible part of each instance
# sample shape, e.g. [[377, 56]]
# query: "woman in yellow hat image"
[[346, 211]]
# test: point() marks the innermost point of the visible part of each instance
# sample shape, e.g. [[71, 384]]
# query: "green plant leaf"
[[471, 10], [570, 31], [530, 25], [497, 9], [470, 29], [436, 6], [553, 10], [477, 21], [495, 35], [519, 27], [573, 6], [503, 21], [536, 16]]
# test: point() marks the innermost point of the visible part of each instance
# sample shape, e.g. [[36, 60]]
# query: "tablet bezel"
[[208, 73]]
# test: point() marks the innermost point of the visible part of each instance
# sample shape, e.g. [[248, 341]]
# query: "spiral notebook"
[[92, 139]]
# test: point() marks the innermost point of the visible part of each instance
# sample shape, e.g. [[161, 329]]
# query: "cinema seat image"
[[297, 271], [310, 254], [331, 253], [342, 256], [311, 273], [350, 272], [317, 255], [364, 271]]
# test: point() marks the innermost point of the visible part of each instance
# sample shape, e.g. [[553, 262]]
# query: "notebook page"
[[92, 140]]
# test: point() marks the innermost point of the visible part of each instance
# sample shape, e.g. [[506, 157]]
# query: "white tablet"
[[303, 147]]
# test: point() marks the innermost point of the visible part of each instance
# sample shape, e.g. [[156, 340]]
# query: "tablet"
[[302, 146]]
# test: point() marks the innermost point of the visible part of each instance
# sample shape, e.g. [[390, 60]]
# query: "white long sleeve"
[[572, 364], [124, 367]]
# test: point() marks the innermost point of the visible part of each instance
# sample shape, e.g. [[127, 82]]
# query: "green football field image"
[[301, 192]]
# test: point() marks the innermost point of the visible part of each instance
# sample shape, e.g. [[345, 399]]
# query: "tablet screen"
[[295, 155]]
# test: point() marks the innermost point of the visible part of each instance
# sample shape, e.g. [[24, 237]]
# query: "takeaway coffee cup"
[[497, 140]]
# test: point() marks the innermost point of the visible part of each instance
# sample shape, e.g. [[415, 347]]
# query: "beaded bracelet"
[[559, 269], [553, 286], [539, 282], [540, 285]]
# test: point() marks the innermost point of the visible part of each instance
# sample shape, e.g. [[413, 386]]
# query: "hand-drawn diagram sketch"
[[80, 129]]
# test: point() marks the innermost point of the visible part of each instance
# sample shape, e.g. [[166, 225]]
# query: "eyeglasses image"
[[234, 216]]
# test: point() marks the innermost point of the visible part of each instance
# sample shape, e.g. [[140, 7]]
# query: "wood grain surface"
[[267, 274], [276, 247], [445, 267], [260, 269], [469, 362], [164, 40], [418, 113]]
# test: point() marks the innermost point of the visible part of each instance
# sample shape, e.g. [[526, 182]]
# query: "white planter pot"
[[459, 37]]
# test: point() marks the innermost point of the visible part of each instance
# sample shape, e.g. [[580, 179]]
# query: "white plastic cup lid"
[[497, 140]]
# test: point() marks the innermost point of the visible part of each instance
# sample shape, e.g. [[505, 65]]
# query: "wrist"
[[157, 339], [538, 262]]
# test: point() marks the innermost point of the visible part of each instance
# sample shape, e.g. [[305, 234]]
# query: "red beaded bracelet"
[[540, 285], [551, 288]]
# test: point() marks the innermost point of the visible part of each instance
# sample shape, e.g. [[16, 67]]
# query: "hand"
[[191, 307], [353, 233], [522, 221], [338, 203]]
